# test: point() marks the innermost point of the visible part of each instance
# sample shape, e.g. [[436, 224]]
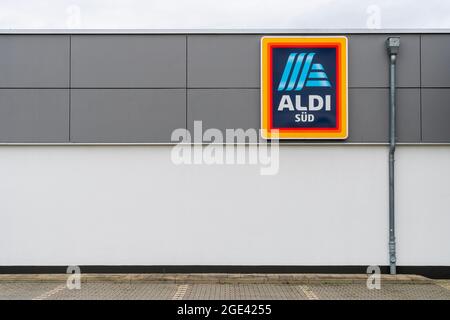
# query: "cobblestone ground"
[[171, 291]]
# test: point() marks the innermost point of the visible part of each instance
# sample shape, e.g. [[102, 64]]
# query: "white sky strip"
[[178, 14]]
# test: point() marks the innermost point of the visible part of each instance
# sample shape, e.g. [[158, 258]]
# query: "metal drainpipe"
[[392, 44]]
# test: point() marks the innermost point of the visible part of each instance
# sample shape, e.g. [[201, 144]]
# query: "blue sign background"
[[286, 118]]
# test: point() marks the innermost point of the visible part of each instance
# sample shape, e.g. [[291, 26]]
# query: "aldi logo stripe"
[[317, 77]]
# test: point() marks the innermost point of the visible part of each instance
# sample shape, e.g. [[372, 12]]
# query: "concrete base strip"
[[181, 291], [50, 293], [308, 292], [182, 278]]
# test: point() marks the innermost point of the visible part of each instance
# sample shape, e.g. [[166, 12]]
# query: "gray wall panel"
[[368, 112], [34, 61], [224, 61], [128, 61], [224, 108], [436, 115], [224, 77], [34, 115], [229, 61], [408, 115], [435, 60], [369, 115], [368, 63], [126, 115]]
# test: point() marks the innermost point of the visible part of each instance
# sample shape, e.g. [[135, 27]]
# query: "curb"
[[220, 278]]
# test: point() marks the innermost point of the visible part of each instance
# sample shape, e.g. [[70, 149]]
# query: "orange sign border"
[[267, 131]]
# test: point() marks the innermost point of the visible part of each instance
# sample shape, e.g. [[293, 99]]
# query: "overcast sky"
[[176, 14]]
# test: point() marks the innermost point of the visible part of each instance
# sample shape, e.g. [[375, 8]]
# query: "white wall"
[[118, 205], [423, 193]]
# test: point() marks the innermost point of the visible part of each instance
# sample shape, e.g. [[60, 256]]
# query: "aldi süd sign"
[[304, 87]]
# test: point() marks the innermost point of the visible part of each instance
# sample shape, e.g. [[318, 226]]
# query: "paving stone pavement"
[[179, 291], [24, 290]]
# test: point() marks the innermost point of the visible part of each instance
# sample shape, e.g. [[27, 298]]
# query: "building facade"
[[86, 120]]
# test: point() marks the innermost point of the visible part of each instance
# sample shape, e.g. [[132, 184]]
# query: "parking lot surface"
[[106, 290]]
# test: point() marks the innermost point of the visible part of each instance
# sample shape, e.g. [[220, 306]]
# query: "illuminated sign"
[[304, 87]]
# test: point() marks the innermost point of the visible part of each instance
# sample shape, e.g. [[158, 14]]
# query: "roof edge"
[[224, 31]]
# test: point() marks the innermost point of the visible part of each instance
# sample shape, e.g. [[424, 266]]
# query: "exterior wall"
[[129, 205], [108, 88]]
